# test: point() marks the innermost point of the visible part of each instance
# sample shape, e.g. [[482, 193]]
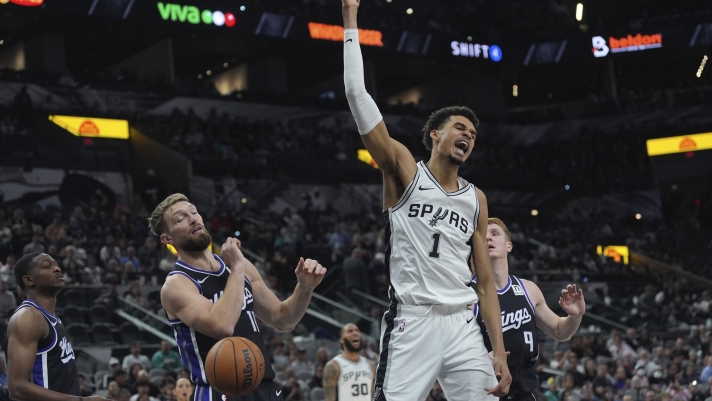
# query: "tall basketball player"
[[349, 376], [436, 224], [41, 362], [523, 310], [209, 297]]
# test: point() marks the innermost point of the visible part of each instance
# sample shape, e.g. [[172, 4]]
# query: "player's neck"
[[500, 273], [445, 172], [203, 260], [47, 302], [351, 356]]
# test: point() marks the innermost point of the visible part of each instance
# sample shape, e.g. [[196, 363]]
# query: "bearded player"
[[209, 297], [436, 224], [349, 376], [523, 310]]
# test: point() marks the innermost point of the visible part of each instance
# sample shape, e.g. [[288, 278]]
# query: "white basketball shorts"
[[420, 344]]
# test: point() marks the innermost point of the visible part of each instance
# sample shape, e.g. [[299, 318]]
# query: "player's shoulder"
[[532, 289], [177, 284], [332, 365], [27, 321]]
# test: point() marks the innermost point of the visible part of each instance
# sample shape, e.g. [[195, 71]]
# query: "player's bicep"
[[390, 155], [330, 380], [26, 328], [546, 319], [182, 300], [480, 253]]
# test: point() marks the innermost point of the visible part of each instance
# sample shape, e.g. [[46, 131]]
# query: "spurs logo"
[[437, 217]]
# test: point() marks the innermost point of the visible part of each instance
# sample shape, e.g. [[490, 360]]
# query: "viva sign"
[[191, 14]]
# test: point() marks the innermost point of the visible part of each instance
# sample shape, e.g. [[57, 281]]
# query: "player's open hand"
[[232, 256], [309, 273], [571, 300], [501, 370], [350, 3]]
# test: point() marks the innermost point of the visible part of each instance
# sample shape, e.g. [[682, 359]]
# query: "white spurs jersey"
[[355, 380], [428, 235]]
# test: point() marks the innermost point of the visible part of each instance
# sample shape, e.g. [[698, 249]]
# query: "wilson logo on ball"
[[247, 380]]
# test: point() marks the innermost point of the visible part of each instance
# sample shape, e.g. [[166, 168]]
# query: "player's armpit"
[[25, 329], [330, 381]]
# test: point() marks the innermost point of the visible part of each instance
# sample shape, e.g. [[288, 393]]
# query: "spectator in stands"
[[619, 348], [165, 358], [131, 257], [355, 276], [55, 231], [697, 395], [153, 389], [292, 391], [110, 251], [318, 378], [114, 366], [136, 357], [280, 360], [688, 375], [83, 390], [133, 374], [589, 370], [34, 246], [587, 393], [94, 271], [7, 300], [168, 262], [148, 253], [707, 371], [322, 357], [7, 271], [3, 371], [601, 382], [113, 390], [631, 338], [167, 386], [572, 370], [301, 364], [183, 390], [133, 295], [676, 390], [552, 390], [644, 362], [143, 387], [621, 379]]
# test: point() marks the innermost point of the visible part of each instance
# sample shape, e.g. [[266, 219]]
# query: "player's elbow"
[[285, 327], [17, 390]]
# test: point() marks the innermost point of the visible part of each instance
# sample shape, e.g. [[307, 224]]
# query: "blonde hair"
[[500, 223], [156, 222]]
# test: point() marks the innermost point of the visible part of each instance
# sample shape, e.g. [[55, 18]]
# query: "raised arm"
[[26, 328], [331, 380], [284, 316], [488, 301], [182, 299], [392, 157], [560, 328]]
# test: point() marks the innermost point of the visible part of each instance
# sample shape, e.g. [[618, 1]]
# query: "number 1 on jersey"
[[436, 242]]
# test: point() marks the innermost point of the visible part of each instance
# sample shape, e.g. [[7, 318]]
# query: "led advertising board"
[[679, 144], [93, 127]]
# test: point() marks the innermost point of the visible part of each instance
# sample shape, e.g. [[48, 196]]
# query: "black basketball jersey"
[[55, 367], [194, 346], [519, 333]]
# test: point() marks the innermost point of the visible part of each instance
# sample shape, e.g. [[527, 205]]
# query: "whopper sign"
[[629, 43]]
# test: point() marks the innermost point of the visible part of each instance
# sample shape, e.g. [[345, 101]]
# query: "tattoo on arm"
[[331, 376]]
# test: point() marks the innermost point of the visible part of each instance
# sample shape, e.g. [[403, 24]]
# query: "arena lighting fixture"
[[469, 38], [679, 144], [200, 76], [209, 72], [579, 11], [638, 216], [365, 157], [2, 42], [244, 200], [699, 70], [567, 187], [242, 8], [515, 90], [225, 65], [535, 212], [93, 127], [409, 11], [616, 252]]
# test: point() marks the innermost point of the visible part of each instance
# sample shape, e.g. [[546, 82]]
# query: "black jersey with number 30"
[[519, 333]]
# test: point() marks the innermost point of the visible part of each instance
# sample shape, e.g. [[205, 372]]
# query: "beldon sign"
[[628, 43]]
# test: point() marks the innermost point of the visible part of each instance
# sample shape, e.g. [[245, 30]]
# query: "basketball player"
[[349, 376], [209, 297], [436, 224], [41, 362], [523, 310]]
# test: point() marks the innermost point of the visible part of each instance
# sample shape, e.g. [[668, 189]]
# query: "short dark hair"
[[438, 118], [24, 266]]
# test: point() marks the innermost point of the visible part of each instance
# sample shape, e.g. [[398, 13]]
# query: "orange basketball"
[[235, 366]]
